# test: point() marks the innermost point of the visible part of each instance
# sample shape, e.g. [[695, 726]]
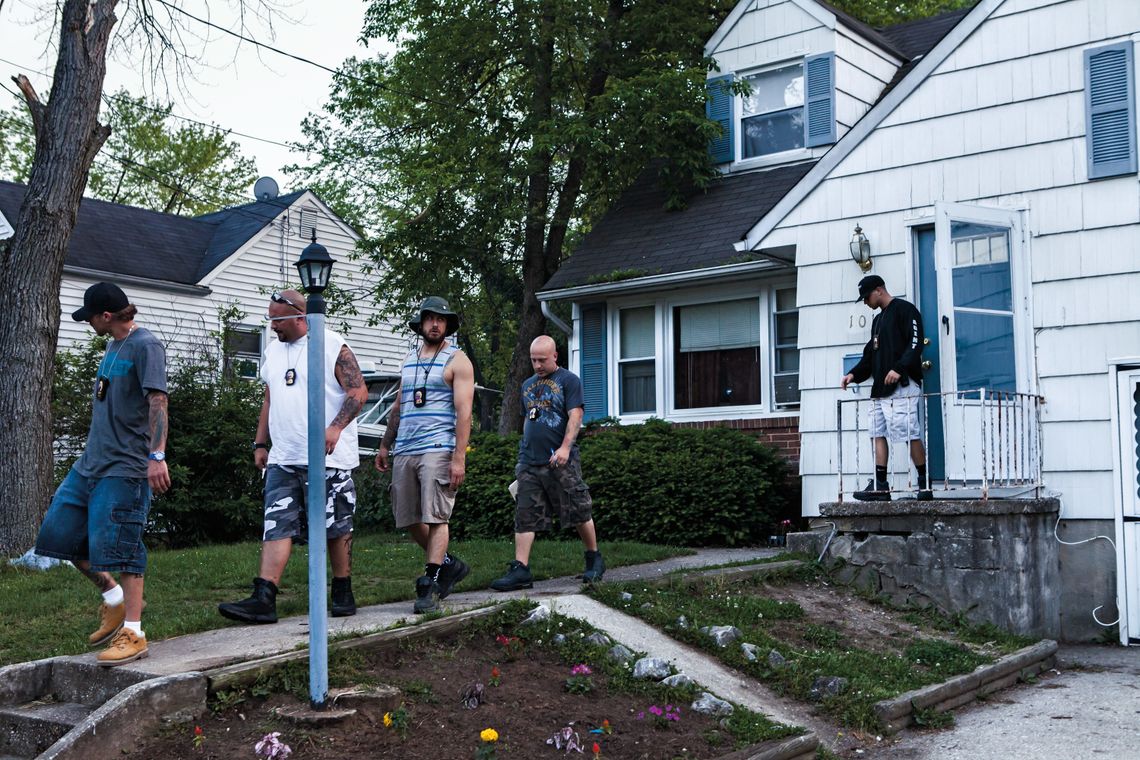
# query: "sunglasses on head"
[[276, 297]]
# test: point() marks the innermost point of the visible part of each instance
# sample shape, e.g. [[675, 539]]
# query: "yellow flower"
[[489, 735], [387, 720], [470, 449]]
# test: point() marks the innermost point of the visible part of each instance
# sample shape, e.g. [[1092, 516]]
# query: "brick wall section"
[[783, 433]]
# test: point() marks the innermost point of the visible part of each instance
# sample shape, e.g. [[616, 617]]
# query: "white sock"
[[136, 626], [114, 597]]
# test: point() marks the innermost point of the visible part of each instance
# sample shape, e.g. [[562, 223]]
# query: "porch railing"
[[990, 444]]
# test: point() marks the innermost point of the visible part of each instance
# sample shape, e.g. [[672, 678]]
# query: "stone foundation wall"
[[994, 561]]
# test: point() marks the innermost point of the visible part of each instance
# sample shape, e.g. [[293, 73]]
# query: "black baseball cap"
[[868, 284], [101, 297]]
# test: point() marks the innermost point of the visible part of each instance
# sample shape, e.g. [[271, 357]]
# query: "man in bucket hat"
[[892, 358], [427, 434], [97, 515]]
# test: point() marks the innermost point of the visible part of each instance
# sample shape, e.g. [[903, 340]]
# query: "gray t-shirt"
[[119, 440]]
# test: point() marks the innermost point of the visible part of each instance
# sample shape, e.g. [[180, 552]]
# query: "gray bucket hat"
[[435, 305]]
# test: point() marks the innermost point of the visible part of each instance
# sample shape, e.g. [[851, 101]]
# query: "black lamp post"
[[315, 266]]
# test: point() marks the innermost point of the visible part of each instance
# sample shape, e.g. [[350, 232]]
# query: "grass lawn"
[[51, 613], [876, 667]]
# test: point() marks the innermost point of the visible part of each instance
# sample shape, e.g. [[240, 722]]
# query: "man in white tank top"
[[284, 424], [427, 435]]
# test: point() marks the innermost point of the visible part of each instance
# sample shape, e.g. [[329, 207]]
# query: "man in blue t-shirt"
[[549, 471]]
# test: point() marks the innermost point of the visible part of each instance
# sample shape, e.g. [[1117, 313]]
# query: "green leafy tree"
[[150, 160], [484, 146]]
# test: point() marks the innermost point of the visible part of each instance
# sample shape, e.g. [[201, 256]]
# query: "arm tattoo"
[[392, 429], [348, 375], [158, 420]]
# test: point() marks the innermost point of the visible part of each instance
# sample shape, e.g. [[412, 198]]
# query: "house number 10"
[[860, 321]]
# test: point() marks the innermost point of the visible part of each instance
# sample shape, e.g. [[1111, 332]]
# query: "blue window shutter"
[[593, 360], [1110, 110], [819, 99], [718, 108]]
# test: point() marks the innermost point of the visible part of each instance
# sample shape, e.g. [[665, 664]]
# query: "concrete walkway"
[[238, 643]]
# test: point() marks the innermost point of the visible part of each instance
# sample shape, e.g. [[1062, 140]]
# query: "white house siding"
[[183, 321], [1000, 123], [862, 70], [769, 32]]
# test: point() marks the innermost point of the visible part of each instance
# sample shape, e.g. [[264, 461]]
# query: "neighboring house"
[[990, 158], [179, 271]]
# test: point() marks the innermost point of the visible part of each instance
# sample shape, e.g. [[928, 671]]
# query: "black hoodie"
[[896, 343]]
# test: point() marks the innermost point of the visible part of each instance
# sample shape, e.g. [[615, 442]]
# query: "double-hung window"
[[772, 116], [243, 352], [786, 353], [637, 374]]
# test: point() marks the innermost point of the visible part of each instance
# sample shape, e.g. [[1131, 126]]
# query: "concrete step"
[[28, 729]]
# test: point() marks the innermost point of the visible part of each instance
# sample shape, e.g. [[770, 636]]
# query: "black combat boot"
[[260, 607], [343, 602]]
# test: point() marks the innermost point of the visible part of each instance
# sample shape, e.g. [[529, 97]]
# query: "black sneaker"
[[518, 576], [260, 607], [427, 596], [450, 574], [924, 494], [595, 567], [343, 602], [874, 492]]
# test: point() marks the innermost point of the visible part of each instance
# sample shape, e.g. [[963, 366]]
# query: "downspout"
[[546, 312]]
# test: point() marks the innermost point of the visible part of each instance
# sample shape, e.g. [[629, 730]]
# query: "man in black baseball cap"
[[97, 514], [892, 358], [100, 298]]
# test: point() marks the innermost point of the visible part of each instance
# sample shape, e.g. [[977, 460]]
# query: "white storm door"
[[982, 324]]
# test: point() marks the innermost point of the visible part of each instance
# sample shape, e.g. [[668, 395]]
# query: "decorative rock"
[[537, 615], [651, 667], [827, 686], [723, 635], [558, 640], [304, 715], [626, 596], [776, 660], [597, 639], [680, 679], [647, 606], [380, 697], [707, 704], [620, 653], [750, 651], [682, 622]]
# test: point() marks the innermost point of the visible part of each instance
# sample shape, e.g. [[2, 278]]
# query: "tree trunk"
[[535, 270], [68, 136]]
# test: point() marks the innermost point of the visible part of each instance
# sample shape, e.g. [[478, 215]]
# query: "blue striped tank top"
[[430, 427]]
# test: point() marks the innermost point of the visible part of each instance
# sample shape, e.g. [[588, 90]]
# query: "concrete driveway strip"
[[1088, 708], [710, 673]]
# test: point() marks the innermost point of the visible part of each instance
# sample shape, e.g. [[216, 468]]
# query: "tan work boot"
[[127, 646], [110, 621]]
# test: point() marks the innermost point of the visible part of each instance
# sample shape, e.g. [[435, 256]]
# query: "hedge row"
[[653, 482]]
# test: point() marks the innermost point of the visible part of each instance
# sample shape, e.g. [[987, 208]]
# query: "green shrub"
[[373, 507], [654, 482]]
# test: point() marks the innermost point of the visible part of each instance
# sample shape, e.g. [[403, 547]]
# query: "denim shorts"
[[286, 494], [100, 520]]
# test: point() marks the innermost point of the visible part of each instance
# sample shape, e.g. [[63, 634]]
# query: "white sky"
[[238, 86]]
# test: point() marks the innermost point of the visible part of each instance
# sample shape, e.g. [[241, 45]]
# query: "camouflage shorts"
[[285, 493], [543, 488]]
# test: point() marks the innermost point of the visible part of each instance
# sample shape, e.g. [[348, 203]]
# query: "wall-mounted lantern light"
[[861, 249]]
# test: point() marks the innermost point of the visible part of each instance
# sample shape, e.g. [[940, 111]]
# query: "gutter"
[[659, 281], [546, 312], [165, 286]]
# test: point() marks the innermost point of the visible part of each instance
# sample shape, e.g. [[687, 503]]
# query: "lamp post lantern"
[[315, 266]]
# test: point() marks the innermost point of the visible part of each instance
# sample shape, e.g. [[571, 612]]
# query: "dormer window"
[[772, 116]]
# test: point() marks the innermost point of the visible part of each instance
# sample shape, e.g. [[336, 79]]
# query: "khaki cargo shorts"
[[543, 488], [421, 489]]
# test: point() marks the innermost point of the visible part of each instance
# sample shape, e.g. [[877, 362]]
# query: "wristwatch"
[[257, 445], [157, 456]]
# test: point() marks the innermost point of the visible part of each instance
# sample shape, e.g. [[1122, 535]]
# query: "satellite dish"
[[265, 189]]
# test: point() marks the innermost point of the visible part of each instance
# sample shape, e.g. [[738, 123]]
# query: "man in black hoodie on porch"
[[893, 359]]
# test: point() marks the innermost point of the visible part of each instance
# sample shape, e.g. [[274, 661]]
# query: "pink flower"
[[656, 710], [581, 669]]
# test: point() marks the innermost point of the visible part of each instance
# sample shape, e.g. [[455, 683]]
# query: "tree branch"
[[35, 106]]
